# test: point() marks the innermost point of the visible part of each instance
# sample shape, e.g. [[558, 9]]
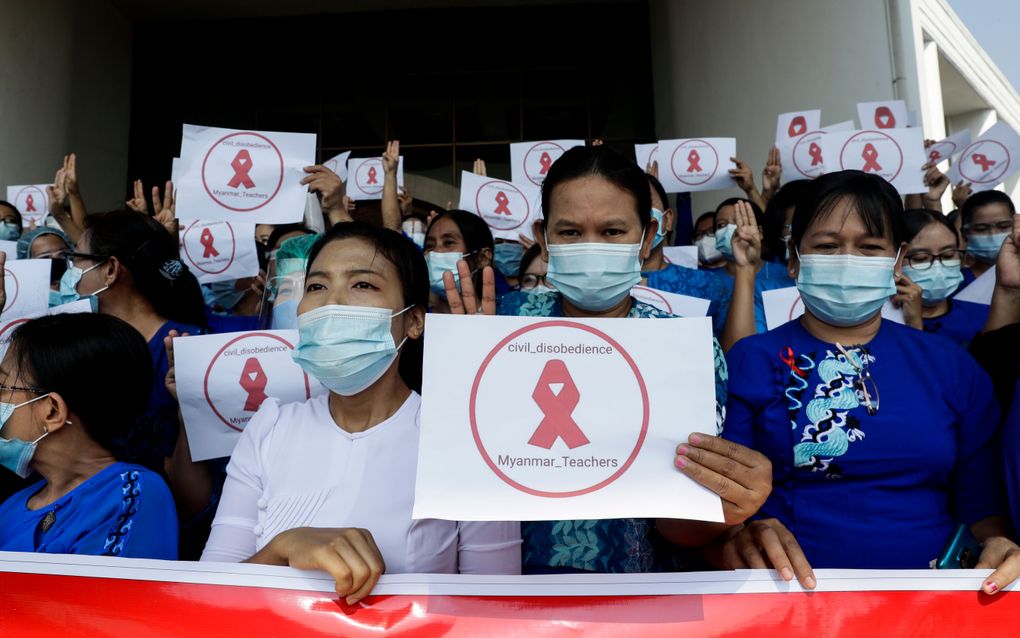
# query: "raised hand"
[[743, 176], [406, 202], [1007, 265], [771, 175], [138, 203], [908, 298], [465, 301], [652, 168], [747, 237], [327, 184], [960, 194], [937, 183], [391, 158], [170, 381], [71, 175], [479, 168], [165, 208]]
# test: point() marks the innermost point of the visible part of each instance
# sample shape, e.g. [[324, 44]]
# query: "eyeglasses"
[[1003, 226], [925, 260], [864, 383], [530, 281], [71, 257], [12, 388]]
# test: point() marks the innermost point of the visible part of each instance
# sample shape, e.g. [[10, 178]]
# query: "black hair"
[[400, 251], [65, 353], [285, 229], [603, 161], [984, 198], [529, 256], [775, 216], [476, 235], [709, 215], [871, 197], [17, 212], [150, 253], [917, 219], [759, 216], [952, 216]]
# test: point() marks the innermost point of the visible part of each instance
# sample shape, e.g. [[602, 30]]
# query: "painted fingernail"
[[786, 573], [681, 462], [682, 450], [991, 587], [695, 439]]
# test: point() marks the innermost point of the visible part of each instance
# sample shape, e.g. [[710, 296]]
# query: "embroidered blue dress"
[[123, 510], [962, 323], [860, 490], [609, 546]]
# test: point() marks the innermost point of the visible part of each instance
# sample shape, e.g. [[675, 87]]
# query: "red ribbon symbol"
[[207, 243], [501, 208], [253, 380], [557, 424], [692, 161], [934, 155], [372, 173], [546, 162], [30, 204], [884, 117], [241, 164], [870, 154], [977, 158], [798, 126], [815, 151], [788, 358]]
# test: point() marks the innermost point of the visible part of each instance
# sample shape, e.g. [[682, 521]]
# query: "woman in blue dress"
[[59, 419], [882, 437]]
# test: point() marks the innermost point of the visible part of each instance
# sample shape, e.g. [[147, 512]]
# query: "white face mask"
[[707, 252]]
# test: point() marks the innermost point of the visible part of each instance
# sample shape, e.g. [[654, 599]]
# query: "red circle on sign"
[[362, 167], [941, 156], [16, 322], [17, 287], [965, 158], [548, 146], [233, 249], [653, 293], [683, 146], [793, 308], [796, 146], [279, 183], [205, 383], [502, 187], [474, 422], [899, 150], [41, 208]]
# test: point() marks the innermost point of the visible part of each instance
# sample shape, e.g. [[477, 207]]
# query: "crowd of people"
[[841, 439]]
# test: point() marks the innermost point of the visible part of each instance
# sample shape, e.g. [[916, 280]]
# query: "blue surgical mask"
[[285, 315], [660, 233], [9, 231], [707, 252], [507, 256], [347, 348], [439, 263], [724, 240], [986, 247], [594, 276], [55, 298], [16, 454], [221, 294], [938, 281], [845, 290], [69, 283]]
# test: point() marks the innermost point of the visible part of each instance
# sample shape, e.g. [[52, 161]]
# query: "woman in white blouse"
[[329, 483]]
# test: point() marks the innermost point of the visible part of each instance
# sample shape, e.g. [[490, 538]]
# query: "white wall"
[[729, 67], [65, 82]]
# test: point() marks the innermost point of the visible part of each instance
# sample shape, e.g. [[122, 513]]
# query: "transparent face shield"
[[285, 285]]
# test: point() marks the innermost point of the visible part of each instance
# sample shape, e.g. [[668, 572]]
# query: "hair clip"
[[172, 269]]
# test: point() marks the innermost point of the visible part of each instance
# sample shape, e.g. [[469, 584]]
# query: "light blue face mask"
[[937, 282], [724, 240], [439, 263], [986, 247], [845, 290], [69, 283], [594, 276], [221, 294], [660, 233], [507, 256], [285, 315], [347, 348], [9, 231], [55, 298], [16, 454]]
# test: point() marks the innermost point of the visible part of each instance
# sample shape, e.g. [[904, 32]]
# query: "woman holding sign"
[[329, 483], [597, 229], [882, 437]]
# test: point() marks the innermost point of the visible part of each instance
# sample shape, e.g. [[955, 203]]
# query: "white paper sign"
[[7, 326], [989, 160], [698, 164], [367, 176], [802, 157], [338, 164], [31, 201], [509, 209], [9, 248], [897, 155], [219, 251], [543, 419], [72, 308], [27, 283], [784, 304], [884, 114], [980, 290], [790, 126], [683, 256], [251, 176], [679, 305], [223, 379], [530, 161], [645, 154], [949, 147]]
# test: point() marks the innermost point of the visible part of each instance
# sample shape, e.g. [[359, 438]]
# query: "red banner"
[[40, 604]]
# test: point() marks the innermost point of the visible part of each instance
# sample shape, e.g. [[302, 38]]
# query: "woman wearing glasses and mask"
[[882, 438], [987, 220]]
